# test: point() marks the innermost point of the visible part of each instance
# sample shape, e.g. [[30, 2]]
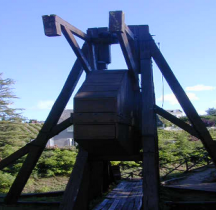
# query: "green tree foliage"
[[6, 97], [11, 135], [211, 111]]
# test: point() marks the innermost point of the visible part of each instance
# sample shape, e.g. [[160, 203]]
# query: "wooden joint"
[[74, 45], [51, 27], [117, 21], [53, 23]]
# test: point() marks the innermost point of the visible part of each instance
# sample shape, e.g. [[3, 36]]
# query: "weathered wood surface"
[[126, 196], [184, 101], [117, 25], [13, 157], [78, 52], [76, 193], [53, 23], [181, 124], [49, 124], [149, 128]]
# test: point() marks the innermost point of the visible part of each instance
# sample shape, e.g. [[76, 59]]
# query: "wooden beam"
[[184, 101], [42, 139], [77, 186], [13, 157], [149, 128], [117, 25], [117, 158], [74, 45], [24, 150], [176, 121], [53, 23]]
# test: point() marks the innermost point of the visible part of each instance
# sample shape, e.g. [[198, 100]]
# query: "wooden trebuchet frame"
[[184, 101], [138, 49]]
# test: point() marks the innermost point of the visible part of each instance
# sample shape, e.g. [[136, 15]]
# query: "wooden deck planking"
[[126, 196]]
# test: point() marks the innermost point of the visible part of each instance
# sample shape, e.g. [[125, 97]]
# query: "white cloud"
[[45, 104], [200, 88], [172, 99]]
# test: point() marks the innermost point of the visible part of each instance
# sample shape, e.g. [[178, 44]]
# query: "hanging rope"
[[162, 79]]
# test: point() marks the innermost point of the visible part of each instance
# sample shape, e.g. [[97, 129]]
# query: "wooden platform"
[[126, 196]]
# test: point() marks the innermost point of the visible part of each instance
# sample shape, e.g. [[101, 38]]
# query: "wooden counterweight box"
[[106, 111]]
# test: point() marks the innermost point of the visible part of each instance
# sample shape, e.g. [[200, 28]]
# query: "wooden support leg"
[[76, 193], [40, 142], [86, 183], [184, 101], [149, 129]]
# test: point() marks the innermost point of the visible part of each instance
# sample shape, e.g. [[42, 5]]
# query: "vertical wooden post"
[[149, 135], [76, 193]]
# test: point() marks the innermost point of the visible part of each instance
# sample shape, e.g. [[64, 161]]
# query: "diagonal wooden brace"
[[74, 45], [184, 101], [42, 138], [118, 26], [53, 23], [176, 121]]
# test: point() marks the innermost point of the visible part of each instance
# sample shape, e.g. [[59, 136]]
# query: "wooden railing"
[[167, 168]]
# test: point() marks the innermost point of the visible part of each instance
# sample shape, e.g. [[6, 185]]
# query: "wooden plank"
[[53, 23], [117, 25], [96, 105], [100, 118], [176, 121], [42, 139], [95, 132], [13, 157], [74, 45], [184, 101], [77, 187], [149, 128], [93, 48], [118, 157]]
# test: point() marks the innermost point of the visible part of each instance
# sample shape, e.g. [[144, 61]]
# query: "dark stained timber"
[[113, 119], [42, 139], [149, 129], [74, 191], [184, 101], [13, 157], [53, 23], [176, 121], [74, 45], [117, 25]]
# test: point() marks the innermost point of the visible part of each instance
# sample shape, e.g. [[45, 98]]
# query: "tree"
[[211, 111], [11, 136], [6, 96]]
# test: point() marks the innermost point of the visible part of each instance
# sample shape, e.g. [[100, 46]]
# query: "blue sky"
[[186, 31]]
